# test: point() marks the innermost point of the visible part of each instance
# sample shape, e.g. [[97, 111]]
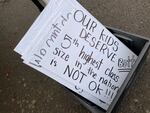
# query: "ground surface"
[[24, 90]]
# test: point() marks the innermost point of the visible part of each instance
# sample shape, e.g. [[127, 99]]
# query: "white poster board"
[[69, 45]]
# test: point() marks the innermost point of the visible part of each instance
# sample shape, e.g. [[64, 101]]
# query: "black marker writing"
[[98, 45], [60, 53], [75, 74], [86, 21], [93, 86], [88, 58]]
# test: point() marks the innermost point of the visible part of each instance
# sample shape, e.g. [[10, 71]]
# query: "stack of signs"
[[69, 45]]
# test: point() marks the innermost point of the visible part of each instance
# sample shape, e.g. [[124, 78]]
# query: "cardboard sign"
[[75, 49]]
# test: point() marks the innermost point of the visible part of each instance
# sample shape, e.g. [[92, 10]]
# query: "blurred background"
[[25, 90]]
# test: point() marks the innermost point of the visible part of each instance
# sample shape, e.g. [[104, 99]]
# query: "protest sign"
[[75, 49]]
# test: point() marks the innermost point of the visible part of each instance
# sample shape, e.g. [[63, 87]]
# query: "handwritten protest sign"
[[75, 49]]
